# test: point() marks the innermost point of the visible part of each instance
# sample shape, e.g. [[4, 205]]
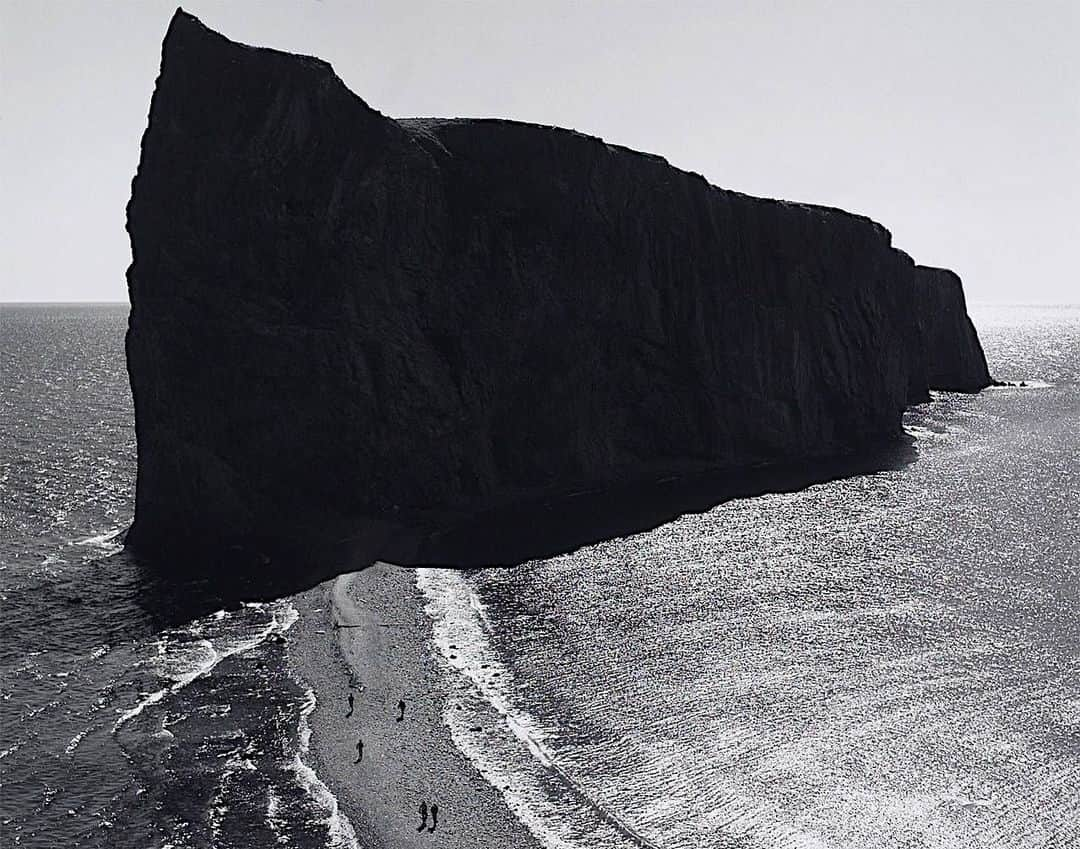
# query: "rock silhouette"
[[358, 331]]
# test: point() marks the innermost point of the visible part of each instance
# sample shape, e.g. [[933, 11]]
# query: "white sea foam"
[[539, 819], [74, 744], [98, 540], [460, 628], [235, 763], [40, 710], [341, 832], [921, 432], [106, 541], [274, 819], [184, 661], [211, 660]]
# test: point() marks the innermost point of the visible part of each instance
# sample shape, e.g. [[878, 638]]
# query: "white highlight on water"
[[460, 627]]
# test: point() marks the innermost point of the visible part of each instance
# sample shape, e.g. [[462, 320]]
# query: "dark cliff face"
[[954, 358], [341, 320]]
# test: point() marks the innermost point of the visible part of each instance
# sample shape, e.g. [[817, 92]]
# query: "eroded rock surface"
[[344, 324]]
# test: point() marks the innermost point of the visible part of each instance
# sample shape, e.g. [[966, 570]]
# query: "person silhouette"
[[350, 705], [434, 816], [423, 817], [401, 710], [359, 751]]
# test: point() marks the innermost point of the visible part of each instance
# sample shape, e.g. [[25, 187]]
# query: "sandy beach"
[[366, 633]]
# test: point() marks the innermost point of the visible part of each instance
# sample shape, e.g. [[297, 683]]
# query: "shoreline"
[[366, 632]]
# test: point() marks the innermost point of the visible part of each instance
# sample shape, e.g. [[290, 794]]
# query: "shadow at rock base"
[[180, 587]]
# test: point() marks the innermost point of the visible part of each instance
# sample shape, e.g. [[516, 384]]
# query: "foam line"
[[276, 625], [342, 835], [453, 607]]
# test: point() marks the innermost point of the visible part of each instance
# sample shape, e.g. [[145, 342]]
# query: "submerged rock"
[[345, 326]]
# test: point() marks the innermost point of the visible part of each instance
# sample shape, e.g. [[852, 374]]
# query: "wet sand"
[[382, 650]]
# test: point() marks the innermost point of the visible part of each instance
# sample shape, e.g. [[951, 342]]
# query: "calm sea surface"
[[890, 660]]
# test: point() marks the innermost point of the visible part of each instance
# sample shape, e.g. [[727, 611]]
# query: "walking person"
[[349, 713], [423, 817], [401, 710], [434, 816], [359, 751]]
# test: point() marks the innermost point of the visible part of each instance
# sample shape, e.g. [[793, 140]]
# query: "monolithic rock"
[[954, 357], [344, 324]]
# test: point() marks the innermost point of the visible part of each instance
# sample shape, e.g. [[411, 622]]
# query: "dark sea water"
[[890, 660], [126, 720]]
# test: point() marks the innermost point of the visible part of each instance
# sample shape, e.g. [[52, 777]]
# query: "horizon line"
[[970, 301]]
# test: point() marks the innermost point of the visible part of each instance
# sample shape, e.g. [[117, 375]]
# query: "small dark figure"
[[434, 816], [359, 751], [401, 710], [350, 705], [423, 817]]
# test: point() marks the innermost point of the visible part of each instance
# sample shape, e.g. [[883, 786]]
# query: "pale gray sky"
[[955, 124]]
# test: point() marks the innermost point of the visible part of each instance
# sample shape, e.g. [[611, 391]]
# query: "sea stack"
[[348, 325]]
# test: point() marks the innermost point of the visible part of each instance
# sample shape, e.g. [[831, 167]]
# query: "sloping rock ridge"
[[346, 324]]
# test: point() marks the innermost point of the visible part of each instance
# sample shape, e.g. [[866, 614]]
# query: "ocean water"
[[884, 661], [126, 720], [889, 660]]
